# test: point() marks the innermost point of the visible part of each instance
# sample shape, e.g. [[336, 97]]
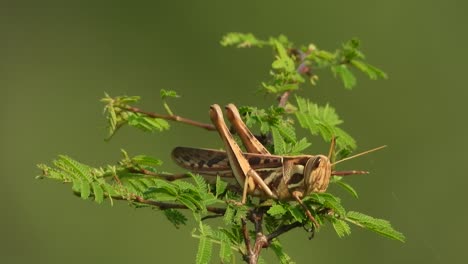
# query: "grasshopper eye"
[[311, 165], [318, 173]]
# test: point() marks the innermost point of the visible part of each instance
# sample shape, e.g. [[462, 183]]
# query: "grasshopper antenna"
[[359, 154]]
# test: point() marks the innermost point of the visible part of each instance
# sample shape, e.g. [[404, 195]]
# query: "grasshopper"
[[261, 173]]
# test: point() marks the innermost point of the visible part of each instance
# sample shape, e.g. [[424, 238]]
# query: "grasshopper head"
[[317, 173]]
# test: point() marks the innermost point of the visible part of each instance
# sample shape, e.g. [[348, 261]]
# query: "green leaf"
[[347, 187], [241, 212], [260, 260], [277, 248], [204, 250], [270, 88], [323, 120], [75, 168], [121, 100], [283, 61], [342, 228], [345, 74], [241, 40], [327, 200], [209, 199], [225, 251], [76, 186], [281, 39], [229, 215], [205, 245], [371, 71], [146, 160], [344, 140], [380, 226], [351, 50], [299, 146], [281, 88], [160, 195], [220, 186], [146, 123], [162, 185], [278, 141], [114, 112], [233, 233], [195, 200], [200, 183], [324, 55], [276, 210], [287, 132], [168, 93], [85, 189], [185, 186], [110, 192], [297, 212], [187, 202], [98, 192], [175, 217]]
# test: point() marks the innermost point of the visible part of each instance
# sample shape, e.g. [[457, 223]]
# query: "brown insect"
[[258, 171]]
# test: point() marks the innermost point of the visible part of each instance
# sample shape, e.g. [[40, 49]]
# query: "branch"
[[166, 176], [283, 99], [261, 241], [163, 206], [257, 218], [245, 233], [281, 230], [172, 118]]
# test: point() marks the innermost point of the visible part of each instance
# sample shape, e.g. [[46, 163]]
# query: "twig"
[[281, 230], [257, 218], [206, 217], [166, 176], [283, 99], [261, 241], [173, 118], [163, 206], [245, 233]]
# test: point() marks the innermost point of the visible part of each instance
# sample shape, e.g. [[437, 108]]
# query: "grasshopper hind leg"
[[243, 172]]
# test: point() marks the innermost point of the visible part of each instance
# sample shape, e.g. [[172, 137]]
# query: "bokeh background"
[[57, 62]]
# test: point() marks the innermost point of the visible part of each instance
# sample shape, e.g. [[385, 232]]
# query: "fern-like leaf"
[[277, 248], [341, 227], [220, 186], [339, 180], [241, 40], [205, 245], [379, 226], [225, 250], [348, 78], [175, 217], [324, 121], [277, 210], [279, 143], [327, 200]]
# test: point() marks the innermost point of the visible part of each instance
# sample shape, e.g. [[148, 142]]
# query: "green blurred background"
[[57, 62]]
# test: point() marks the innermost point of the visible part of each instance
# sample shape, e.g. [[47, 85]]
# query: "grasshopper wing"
[[216, 162]]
